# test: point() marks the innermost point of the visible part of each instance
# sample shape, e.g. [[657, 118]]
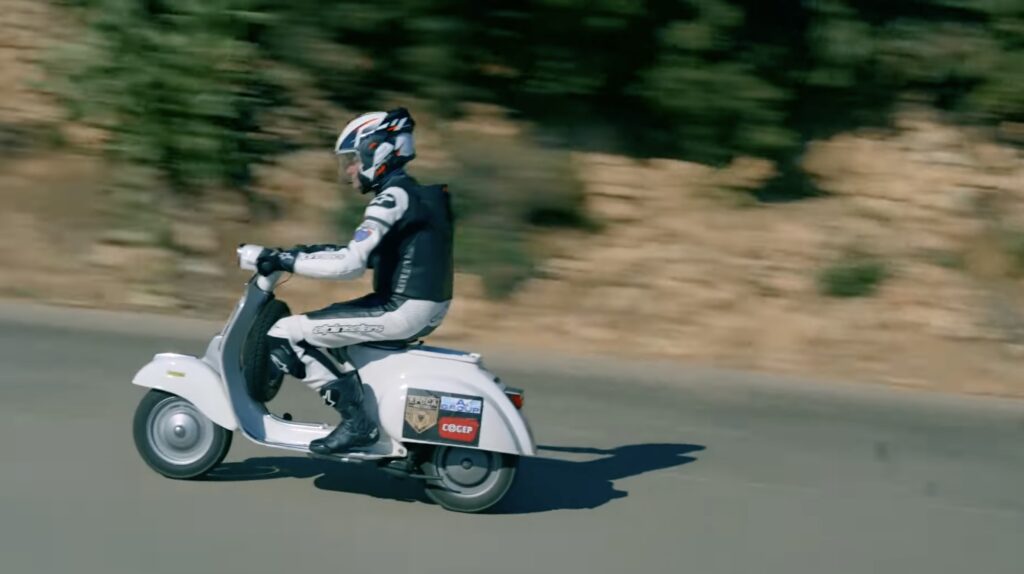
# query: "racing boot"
[[345, 395]]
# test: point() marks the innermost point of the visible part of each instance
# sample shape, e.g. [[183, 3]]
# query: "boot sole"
[[360, 446]]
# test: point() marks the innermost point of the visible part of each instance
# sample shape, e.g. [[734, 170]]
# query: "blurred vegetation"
[[853, 275], [504, 194], [1013, 245], [177, 85], [185, 86], [501, 205], [946, 259]]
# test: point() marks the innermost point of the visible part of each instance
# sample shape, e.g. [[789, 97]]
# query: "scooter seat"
[[392, 345]]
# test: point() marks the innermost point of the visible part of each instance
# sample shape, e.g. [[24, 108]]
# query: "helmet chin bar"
[[365, 185]]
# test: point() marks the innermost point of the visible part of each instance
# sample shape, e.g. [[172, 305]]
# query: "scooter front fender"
[[193, 380]]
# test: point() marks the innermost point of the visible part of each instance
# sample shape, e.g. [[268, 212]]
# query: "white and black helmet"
[[382, 141]]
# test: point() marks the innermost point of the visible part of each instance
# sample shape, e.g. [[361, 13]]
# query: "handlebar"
[[247, 255]]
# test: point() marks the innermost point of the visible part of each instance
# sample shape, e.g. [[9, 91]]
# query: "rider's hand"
[[273, 260]]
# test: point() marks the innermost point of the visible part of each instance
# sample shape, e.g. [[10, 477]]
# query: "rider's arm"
[[349, 262]]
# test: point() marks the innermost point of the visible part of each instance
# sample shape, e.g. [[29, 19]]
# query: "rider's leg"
[[345, 395], [338, 385], [339, 326], [283, 359], [297, 342], [292, 354]]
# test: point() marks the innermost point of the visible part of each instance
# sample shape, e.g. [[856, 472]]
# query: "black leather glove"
[[273, 260]]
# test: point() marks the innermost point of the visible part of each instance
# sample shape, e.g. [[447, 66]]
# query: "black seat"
[[393, 345], [342, 357]]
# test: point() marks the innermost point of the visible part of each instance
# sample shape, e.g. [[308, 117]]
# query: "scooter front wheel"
[[175, 439], [468, 480]]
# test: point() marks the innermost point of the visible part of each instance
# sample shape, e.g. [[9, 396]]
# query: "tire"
[[256, 353], [474, 489], [175, 439]]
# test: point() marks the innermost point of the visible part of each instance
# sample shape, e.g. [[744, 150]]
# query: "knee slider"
[[284, 359]]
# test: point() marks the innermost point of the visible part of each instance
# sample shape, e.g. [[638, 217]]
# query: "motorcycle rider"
[[405, 237]]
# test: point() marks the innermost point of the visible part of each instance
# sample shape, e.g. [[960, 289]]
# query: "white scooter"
[[444, 419]]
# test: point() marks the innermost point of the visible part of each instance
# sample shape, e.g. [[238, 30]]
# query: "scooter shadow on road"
[[364, 479], [542, 484]]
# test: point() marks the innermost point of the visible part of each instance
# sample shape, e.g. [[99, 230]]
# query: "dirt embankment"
[[683, 267]]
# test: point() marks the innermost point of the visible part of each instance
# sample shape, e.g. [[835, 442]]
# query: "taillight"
[[516, 396]]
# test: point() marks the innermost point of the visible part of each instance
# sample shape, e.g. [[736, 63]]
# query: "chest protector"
[[414, 259]]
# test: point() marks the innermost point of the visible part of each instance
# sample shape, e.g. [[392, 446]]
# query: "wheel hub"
[[178, 432], [468, 480], [465, 467], [182, 430]]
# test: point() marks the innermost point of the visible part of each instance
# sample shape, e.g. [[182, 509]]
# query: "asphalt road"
[[657, 469]]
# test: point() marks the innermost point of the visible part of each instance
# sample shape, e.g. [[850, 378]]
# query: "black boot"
[[356, 429]]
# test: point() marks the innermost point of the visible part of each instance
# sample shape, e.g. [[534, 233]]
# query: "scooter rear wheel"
[[175, 439], [468, 480]]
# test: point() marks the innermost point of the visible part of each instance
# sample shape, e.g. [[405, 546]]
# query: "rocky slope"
[[684, 267]]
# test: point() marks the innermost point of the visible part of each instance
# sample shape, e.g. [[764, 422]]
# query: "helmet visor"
[[345, 163], [347, 160]]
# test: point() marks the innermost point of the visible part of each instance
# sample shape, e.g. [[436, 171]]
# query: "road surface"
[[660, 469]]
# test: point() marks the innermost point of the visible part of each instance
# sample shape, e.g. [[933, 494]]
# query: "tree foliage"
[[182, 83], [176, 85], [183, 86]]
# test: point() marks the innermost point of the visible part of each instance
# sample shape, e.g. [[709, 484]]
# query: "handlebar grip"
[[247, 255]]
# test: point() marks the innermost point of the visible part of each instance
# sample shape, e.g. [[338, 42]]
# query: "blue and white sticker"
[[363, 233], [457, 405]]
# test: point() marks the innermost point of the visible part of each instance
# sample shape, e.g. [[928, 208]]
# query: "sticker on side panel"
[[457, 405], [420, 411], [459, 429], [442, 417]]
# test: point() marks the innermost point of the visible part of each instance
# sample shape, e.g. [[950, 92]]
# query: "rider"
[[405, 237]]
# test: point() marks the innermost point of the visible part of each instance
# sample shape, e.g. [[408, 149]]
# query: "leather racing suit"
[[406, 238]]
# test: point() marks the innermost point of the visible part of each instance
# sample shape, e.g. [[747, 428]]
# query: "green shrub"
[[14, 139], [502, 257], [852, 276], [946, 259], [1013, 243], [182, 85], [178, 86]]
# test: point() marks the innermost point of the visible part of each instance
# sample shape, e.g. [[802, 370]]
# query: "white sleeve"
[[350, 261]]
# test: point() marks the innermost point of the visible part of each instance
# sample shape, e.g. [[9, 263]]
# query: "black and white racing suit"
[[406, 238]]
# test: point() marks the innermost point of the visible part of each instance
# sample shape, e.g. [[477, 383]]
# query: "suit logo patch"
[[363, 233], [336, 328], [385, 200]]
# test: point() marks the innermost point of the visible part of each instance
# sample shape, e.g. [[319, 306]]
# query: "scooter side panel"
[[502, 427], [500, 430], [191, 379]]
